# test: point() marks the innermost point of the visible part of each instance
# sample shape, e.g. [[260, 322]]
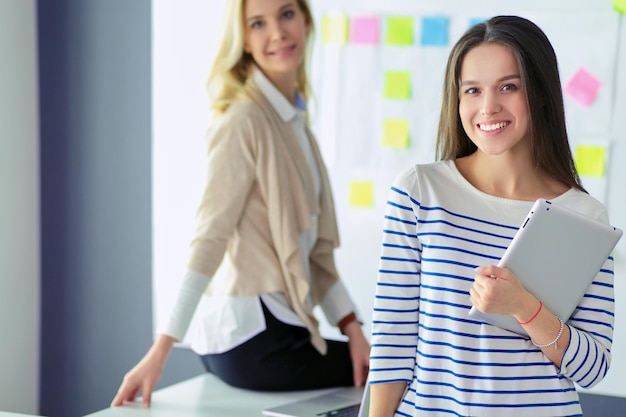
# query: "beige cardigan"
[[259, 198]]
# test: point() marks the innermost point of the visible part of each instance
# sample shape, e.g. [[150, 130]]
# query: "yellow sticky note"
[[361, 194], [620, 6], [397, 84], [399, 30], [590, 160], [396, 134], [335, 29]]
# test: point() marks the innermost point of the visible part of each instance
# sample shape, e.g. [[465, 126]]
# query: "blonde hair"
[[232, 65]]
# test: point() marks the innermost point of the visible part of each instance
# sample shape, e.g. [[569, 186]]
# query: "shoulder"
[[420, 173], [243, 118], [426, 170], [583, 203], [241, 109], [421, 178]]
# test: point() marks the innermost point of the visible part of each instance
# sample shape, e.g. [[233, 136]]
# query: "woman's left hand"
[[359, 352], [498, 291]]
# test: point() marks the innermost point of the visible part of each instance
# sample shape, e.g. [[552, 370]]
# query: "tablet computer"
[[556, 254]]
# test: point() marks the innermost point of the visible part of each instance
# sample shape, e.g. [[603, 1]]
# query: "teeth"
[[493, 127]]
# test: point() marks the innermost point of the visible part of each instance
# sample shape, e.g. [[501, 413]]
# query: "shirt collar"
[[279, 102]]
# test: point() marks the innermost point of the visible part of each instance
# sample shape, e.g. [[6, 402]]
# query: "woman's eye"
[[256, 25], [288, 14], [471, 90], [509, 87]]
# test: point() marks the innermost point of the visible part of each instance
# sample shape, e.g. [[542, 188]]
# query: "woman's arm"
[[580, 348], [359, 350], [144, 376], [385, 398]]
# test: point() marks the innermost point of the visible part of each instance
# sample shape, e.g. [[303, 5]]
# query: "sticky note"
[[435, 31], [334, 29], [476, 20], [364, 30], [361, 194], [582, 87], [396, 134], [590, 160], [397, 85], [399, 30], [620, 6]]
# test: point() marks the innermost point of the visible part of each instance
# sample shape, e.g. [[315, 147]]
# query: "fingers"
[[489, 271], [147, 394], [482, 290], [474, 296], [360, 357], [494, 272], [359, 373], [130, 389], [125, 394]]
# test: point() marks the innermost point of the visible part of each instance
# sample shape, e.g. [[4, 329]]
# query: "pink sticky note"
[[583, 87], [364, 30]]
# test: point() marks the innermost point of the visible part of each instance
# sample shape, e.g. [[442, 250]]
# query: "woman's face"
[[275, 35], [492, 101]]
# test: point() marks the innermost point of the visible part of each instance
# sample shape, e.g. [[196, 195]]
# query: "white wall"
[[19, 209], [183, 48]]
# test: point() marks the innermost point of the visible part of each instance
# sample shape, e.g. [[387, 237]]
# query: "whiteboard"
[[348, 114]]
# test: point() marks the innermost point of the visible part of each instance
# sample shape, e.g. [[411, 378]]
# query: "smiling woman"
[[492, 104], [262, 255], [502, 144], [275, 38]]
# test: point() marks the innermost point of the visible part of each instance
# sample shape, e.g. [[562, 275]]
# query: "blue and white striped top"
[[437, 229]]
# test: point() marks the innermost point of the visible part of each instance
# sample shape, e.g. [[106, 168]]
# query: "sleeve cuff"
[[189, 294], [337, 305]]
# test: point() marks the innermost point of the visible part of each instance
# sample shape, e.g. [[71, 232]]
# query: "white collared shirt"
[[227, 321]]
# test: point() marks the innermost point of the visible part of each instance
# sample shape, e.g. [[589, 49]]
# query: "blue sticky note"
[[476, 20], [435, 31]]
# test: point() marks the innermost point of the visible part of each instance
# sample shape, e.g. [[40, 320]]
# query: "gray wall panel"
[[95, 68]]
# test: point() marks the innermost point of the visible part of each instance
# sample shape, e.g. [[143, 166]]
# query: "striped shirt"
[[437, 229]]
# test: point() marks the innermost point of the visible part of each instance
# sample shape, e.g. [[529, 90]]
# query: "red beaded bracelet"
[[534, 316]]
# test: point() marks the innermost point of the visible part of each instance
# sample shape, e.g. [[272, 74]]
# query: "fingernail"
[[479, 269]]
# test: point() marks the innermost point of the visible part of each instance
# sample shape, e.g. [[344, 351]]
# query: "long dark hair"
[[539, 73]]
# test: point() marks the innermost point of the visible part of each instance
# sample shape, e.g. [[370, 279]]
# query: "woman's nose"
[[490, 103], [276, 31]]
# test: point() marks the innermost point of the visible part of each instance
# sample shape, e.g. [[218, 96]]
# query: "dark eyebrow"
[[508, 77], [286, 6]]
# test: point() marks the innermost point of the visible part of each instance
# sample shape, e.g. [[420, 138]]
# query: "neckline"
[[452, 165]]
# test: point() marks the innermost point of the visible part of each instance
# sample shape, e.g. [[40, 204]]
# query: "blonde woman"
[[266, 229]]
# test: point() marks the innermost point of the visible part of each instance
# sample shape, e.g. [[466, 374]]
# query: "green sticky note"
[[399, 30], [335, 29], [590, 160], [397, 84], [620, 6], [361, 194], [396, 134]]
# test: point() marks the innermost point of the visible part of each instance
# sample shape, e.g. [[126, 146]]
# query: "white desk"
[[5, 414], [206, 396]]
